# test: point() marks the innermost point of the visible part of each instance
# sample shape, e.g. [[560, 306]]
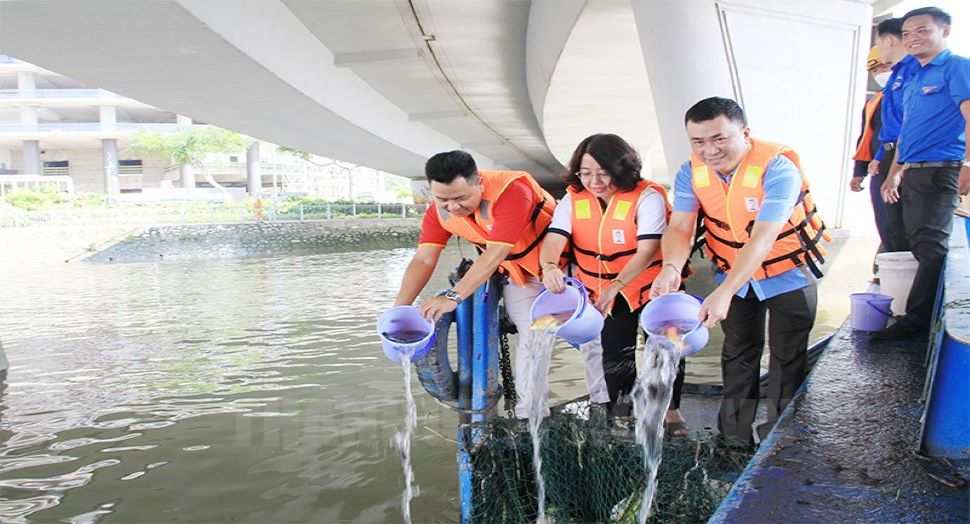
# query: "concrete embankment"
[[208, 241]]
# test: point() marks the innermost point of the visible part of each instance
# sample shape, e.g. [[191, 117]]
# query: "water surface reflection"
[[248, 390]]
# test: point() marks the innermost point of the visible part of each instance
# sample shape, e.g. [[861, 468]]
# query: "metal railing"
[[54, 94], [204, 213], [62, 184], [85, 127]]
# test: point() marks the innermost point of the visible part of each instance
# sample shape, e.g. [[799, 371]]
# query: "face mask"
[[881, 78]]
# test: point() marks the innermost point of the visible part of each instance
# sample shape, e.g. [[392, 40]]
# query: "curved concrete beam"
[[248, 65], [550, 24], [599, 85]]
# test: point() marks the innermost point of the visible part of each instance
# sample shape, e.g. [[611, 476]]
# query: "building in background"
[[55, 131]]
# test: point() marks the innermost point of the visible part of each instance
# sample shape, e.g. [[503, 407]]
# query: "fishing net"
[[594, 471]]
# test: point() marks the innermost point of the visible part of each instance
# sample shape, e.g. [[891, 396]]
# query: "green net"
[[594, 472]]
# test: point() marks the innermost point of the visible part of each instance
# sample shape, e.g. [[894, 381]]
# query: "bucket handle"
[[873, 306], [584, 296]]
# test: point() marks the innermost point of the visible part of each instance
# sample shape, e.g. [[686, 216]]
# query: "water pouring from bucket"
[[673, 317], [406, 336], [405, 332], [569, 314]]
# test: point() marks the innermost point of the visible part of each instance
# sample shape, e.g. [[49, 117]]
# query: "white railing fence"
[[203, 213]]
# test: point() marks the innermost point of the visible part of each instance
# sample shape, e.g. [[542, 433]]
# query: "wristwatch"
[[966, 163], [451, 294]]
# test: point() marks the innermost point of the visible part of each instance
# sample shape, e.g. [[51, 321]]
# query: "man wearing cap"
[[932, 148], [866, 147], [505, 214]]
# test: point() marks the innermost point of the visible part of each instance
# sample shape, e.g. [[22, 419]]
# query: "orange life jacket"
[[476, 228], [728, 213], [604, 241], [864, 150]]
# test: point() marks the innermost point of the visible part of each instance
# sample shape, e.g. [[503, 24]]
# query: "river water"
[[245, 390]]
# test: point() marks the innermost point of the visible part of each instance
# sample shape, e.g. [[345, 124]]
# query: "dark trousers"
[[889, 217], [790, 317], [929, 196], [619, 338]]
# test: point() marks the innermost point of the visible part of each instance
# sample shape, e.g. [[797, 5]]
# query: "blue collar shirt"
[[933, 127], [782, 183], [891, 108]]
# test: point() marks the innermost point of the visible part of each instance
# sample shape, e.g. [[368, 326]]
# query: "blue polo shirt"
[[892, 102], [782, 183], [933, 126]]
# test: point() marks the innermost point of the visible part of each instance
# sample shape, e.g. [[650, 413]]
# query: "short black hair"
[[613, 154], [939, 16], [713, 107], [890, 26], [446, 167]]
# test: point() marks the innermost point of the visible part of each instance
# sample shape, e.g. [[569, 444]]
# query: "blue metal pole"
[[463, 332], [481, 313]]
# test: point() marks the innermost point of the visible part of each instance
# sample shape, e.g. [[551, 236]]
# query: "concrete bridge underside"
[[387, 83]]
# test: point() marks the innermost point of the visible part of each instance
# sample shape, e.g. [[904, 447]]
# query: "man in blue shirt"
[[933, 149], [889, 42], [754, 194]]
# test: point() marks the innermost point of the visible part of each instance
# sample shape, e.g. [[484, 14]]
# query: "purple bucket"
[[870, 311], [679, 310], [585, 323], [405, 331]]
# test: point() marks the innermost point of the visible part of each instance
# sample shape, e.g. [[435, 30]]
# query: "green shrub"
[[47, 197]]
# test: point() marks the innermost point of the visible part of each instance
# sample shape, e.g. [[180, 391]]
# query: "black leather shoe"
[[899, 330]]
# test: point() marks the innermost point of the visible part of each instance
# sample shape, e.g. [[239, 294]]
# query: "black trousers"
[[790, 317], [929, 197], [892, 232], [619, 338]]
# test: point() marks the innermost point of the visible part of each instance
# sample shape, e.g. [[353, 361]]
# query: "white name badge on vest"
[[751, 203], [619, 237]]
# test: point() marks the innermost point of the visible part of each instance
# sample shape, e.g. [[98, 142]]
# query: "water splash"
[[402, 439], [537, 389], [651, 396]]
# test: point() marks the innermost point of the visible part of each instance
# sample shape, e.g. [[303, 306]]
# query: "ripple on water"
[[257, 381]]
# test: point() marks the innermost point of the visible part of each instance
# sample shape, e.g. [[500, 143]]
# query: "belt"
[[889, 146], [943, 163]]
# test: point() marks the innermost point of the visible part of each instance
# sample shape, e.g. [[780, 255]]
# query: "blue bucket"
[[405, 331], [870, 311], [677, 310], [585, 321]]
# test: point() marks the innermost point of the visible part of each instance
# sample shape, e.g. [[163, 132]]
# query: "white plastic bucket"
[[677, 310], [869, 311], [896, 272], [405, 331], [585, 323]]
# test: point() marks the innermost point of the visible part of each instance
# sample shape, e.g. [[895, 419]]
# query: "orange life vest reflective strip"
[[604, 241], [728, 213], [524, 257], [864, 151]]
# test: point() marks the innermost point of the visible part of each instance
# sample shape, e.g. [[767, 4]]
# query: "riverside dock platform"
[[853, 445]]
